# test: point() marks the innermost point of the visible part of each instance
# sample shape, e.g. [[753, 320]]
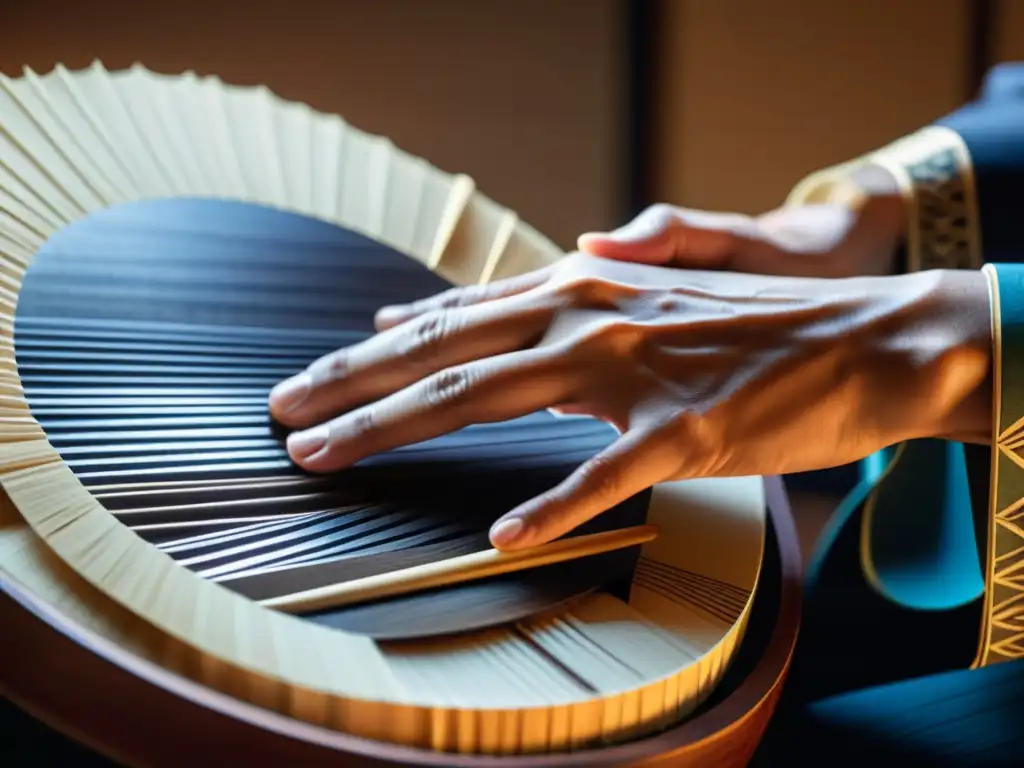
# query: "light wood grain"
[[458, 570]]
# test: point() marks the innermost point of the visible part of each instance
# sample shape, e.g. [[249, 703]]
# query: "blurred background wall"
[[543, 101], [526, 96]]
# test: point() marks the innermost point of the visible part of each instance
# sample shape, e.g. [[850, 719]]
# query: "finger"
[[633, 463], [497, 389], [464, 296], [666, 235], [570, 409], [396, 358]]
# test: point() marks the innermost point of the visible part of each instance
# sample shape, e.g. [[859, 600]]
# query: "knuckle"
[[453, 299], [668, 302], [427, 334], [449, 386], [701, 441], [601, 477], [579, 287], [332, 367], [661, 217], [363, 423], [660, 211], [462, 296], [339, 364], [614, 336]]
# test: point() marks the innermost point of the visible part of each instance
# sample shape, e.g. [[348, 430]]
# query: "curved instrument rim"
[[52, 667], [458, 221]]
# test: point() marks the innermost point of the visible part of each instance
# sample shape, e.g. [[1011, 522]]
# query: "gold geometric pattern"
[[933, 169], [942, 214], [1002, 630], [1003, 620]]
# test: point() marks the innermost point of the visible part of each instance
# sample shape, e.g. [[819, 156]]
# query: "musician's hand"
[[703, 373], [834, 240]]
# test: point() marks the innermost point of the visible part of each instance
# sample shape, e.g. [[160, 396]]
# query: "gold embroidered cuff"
[[934, 172], [1002, 625]]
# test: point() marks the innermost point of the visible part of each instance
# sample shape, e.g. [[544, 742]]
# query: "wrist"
[[931, 356], [883, 211]]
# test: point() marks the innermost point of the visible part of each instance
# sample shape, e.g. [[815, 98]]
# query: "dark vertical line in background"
[[980, 44], [641, 71]]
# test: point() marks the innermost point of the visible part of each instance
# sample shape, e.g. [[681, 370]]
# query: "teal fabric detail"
[[919, 547], [841, 517], [921, 544]]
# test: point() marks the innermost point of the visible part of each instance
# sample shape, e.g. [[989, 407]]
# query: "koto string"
[[147, 339]]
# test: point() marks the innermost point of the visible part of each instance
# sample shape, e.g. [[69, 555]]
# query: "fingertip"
[[631, 244], [608, 249], [625, 237], [590, 240], [508, 533], [305, 447], [289, 395]]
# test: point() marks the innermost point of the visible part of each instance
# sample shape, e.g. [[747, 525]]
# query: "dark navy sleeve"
[[992, 131], [1004, 82]]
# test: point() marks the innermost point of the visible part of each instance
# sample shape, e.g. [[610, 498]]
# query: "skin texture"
[[704, 373], [859, 236]]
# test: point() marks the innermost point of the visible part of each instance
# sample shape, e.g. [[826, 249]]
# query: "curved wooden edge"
[[122, 706]]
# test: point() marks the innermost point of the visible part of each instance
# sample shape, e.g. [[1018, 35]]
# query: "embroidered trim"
[[933, 168], [1002, 630]]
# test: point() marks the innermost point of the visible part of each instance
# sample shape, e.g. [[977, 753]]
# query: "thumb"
[[669, 236], [630, 465]]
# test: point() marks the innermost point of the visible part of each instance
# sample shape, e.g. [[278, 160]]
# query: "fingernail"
[[290, 393], [589, 238], [505, 532], [302, 445], [391, 315], [626, 234]]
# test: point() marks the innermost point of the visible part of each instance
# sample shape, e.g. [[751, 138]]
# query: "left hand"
[[703, 373], [838, 239]]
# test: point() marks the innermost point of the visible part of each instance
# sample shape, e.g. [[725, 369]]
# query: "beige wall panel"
[[756, 93], [524, 95], [1008, 30]]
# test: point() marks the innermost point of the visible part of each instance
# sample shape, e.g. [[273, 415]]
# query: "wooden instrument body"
[[69, 603], [126, 707]]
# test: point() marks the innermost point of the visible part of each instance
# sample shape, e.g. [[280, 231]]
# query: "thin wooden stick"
[[456, 570]]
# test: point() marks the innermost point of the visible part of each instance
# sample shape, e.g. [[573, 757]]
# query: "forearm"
[[956, 325], [882, 207]]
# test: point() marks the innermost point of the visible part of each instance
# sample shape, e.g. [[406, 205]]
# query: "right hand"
[[704, 374], [823, 240]]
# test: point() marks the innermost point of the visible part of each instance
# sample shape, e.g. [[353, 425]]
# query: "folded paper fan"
[[173, 246]]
